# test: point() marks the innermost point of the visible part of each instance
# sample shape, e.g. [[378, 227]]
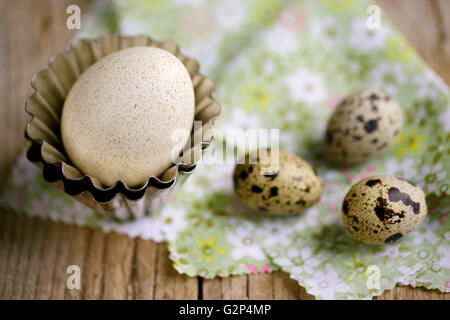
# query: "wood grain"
[[35, 253], [426, 25]]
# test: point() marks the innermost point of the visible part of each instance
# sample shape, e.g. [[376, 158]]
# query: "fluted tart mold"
[[52, 85]]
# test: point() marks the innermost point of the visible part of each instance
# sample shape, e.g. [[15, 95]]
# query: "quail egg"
[[383, 209], [277, 183], [363, 125]]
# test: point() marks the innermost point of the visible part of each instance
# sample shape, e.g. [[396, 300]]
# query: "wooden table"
[[34, 253]]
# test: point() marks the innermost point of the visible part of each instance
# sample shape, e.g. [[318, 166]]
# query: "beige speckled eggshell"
[[291, 189], [383, 209], [363, 125], [118, 118]]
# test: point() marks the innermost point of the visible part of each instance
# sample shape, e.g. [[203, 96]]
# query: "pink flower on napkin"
[[265, 268], [252, 268], [336, 97]]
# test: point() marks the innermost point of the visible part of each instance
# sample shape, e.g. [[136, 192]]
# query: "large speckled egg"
[[363, 125], [277, 184], [117, 120], [383, 209]]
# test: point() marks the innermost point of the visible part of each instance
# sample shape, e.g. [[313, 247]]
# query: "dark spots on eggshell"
[[353, 195], [374, 141], [256, 189], [355, 228], [371, 125], [357, 138], [375, 231], [374, 97], [243, 175], [301, 202], [373, 182], [273, 192], [396, 195], [380, 208], [394, 238], [329, 136], [346, 132], [360, 118], [381, 147], [384, 213], [345, 207], [374, 108], [250, 169]]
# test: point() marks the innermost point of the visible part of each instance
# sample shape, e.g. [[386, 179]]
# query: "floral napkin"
[[284, 64]]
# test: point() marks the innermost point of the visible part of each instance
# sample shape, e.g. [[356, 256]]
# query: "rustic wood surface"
[[34, 253]]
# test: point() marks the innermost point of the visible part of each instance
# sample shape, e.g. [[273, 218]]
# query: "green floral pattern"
[[284, 64]]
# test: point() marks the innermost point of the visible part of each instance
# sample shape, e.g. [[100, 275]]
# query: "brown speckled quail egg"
[[363, 125], [289, 185], [383, 209]]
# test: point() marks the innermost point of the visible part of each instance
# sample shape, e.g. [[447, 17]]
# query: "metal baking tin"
[[52, 85]]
